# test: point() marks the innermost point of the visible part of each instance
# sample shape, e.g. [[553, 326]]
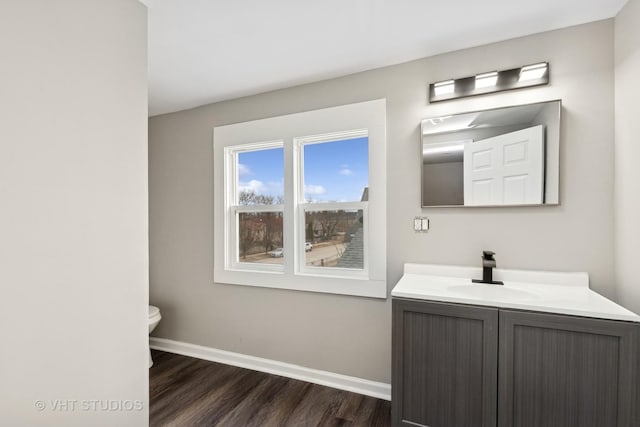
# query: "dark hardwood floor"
[[187, 392]]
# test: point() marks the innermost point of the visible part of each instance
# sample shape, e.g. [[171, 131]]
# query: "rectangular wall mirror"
[[499, 157]]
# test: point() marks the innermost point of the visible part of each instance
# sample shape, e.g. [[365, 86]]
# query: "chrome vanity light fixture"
[[490, 82]]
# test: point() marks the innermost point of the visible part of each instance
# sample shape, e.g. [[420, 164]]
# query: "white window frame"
[[235, 209], [302, 206], [292, 132]]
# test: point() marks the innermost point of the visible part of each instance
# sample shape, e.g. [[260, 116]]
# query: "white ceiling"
[[203, 51]]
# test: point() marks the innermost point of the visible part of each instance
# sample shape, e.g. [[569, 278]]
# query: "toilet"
[[154, 319]]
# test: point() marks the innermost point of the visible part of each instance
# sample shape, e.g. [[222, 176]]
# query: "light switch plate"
[[421, 224]]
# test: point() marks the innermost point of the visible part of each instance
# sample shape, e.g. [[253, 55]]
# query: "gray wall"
[[73, 211], [627, 154], [443, 184], [352, 335]]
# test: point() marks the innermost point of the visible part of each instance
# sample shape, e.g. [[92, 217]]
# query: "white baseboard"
[[329, 379]]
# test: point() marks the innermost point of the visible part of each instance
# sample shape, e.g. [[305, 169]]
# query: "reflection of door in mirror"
[[506, 156], [507, 169]]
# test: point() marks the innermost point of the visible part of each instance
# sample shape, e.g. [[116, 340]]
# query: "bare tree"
[[272, 230], [263, 227], [309, 231], [247, 233], [248, 198], [328, 221]]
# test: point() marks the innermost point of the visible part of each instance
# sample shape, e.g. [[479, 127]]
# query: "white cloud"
[[243, 170], [254, 185], [346, 172], [314, 190], [259, 187], [274, 187]]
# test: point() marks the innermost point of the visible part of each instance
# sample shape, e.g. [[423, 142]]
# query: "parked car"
[[277, 253], [308, 246]]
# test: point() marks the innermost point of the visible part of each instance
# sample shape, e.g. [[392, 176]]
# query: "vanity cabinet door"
[[565, 371], [444, 365]]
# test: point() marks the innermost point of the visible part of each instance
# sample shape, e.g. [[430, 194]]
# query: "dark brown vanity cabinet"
[[458, 365], [444, 365], [567, 371]]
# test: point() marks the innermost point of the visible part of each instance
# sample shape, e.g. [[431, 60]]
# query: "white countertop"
[[561, 293]]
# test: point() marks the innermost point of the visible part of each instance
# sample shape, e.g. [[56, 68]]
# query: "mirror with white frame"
[[498, 157]]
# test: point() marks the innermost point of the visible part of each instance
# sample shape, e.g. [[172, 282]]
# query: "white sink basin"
[[494, 292], [561, 293]]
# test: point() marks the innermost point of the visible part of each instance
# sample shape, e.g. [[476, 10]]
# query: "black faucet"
[[488, 264]]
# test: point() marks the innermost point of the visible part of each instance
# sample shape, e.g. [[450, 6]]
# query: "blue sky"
[[333, 171]]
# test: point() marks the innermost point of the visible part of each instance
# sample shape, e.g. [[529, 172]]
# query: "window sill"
[[355, 286]]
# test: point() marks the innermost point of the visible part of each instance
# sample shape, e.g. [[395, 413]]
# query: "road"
[[327, 251]]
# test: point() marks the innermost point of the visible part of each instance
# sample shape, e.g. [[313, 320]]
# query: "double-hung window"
[[300, 201], [255, 206]]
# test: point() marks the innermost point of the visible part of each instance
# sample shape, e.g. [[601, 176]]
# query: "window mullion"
[[289, 221], [258, 208], [332, 206]]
